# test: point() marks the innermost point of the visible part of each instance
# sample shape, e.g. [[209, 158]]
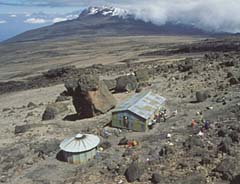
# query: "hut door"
[[125, 122]]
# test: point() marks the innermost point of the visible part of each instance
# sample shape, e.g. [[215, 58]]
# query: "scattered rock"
[[233, 81], [166, 150], [139, 89], [142, 75], [59, 72], [49, 113], [62, 98], [133, 172], [185, 66], [31, 105], [156, 178], [123, 141], [105, 145], [192, 179], [225, 145], [234, 135], [128, 153], [111, 165], [236, 179], [222, 132], [6, 109], [201, 96], [206, 160], [21, 128], [193, 141], [30, 114], [53, 110], [226, 168], [220, 100], [227, 63], [46, 148], [126, 83], [229, 74]]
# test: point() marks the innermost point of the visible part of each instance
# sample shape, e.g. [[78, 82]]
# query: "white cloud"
[[3, 21], [27, 14], [35, 21], [13, 15], [214, 15], [58, 19]]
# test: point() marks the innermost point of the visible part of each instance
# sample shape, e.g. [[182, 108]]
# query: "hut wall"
[[133, 122], [79, 158]]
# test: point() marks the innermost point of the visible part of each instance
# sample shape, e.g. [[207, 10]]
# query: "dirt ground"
[[31, 58], [22, 160]]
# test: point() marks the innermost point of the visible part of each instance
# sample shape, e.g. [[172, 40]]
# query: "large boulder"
[[91, 96], [126, 83]]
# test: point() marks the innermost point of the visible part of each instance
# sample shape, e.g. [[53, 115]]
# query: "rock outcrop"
[[90, 96]]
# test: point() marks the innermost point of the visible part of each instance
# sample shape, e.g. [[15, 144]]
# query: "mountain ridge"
[[105, 21]]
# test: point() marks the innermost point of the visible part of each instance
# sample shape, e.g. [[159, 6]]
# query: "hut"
[[138, 112], [80, 148]]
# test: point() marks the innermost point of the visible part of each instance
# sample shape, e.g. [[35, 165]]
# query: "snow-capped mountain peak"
[[105, 11]]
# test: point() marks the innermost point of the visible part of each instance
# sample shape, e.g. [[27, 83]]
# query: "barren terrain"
[[177, 68]]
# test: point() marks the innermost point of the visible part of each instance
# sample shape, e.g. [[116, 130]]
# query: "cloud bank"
[[211, 15]]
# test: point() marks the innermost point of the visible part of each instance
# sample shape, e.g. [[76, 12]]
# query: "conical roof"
[[80, 143]]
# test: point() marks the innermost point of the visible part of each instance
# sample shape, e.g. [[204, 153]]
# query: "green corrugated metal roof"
[[143, 104]]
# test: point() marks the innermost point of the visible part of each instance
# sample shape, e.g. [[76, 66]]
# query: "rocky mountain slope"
[[200, 87], [105, 21]]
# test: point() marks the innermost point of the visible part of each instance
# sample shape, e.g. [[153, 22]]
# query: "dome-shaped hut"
[[79, 149]]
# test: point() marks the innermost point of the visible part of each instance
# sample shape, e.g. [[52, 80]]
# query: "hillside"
[[105, 22]]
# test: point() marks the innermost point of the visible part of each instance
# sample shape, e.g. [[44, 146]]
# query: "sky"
[[211, 15]]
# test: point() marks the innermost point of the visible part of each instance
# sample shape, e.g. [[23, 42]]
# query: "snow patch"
[[106, 11]]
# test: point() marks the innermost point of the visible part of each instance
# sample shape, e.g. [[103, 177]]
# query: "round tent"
[[80, 148]]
